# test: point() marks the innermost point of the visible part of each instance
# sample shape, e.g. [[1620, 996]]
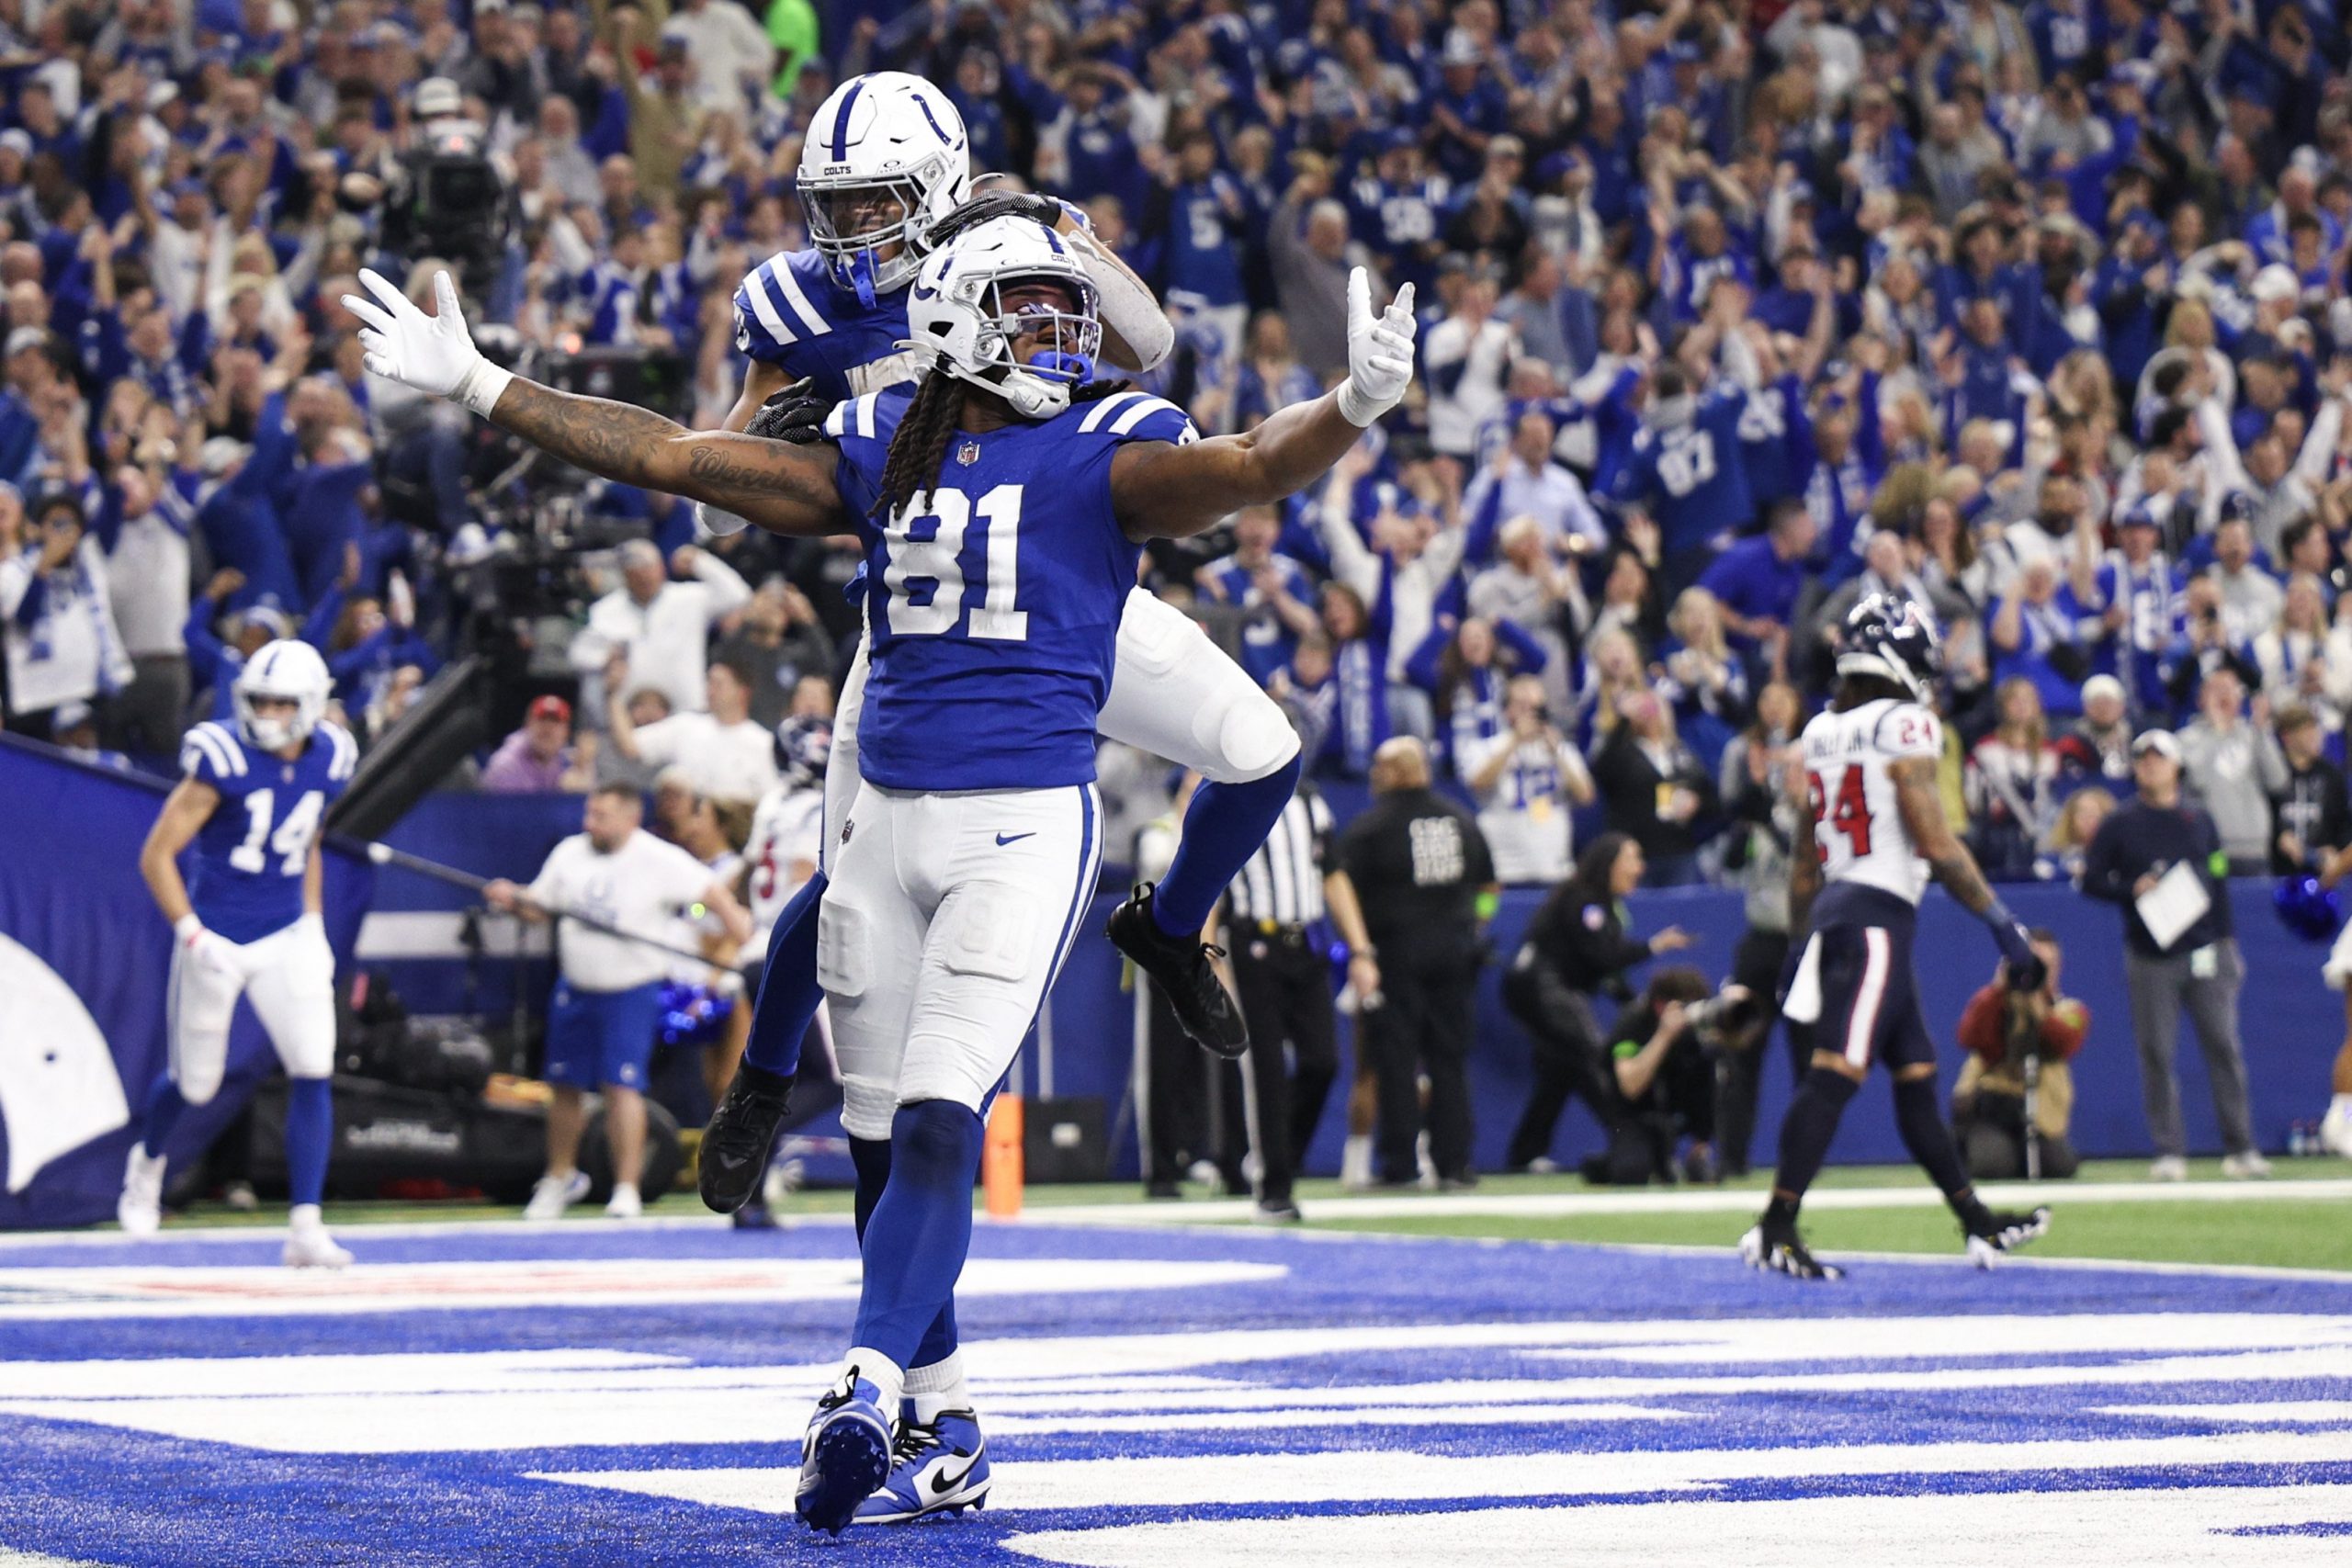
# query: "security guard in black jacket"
[[1577, 945], [1423, 872]]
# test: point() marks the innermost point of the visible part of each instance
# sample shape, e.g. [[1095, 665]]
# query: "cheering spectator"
[[778, 643], [2012, 783], [60, 637], [1525, 778], [2301, 661], [1273, 592], [2232, 765], [661, 627], [2033, 632], [1757, 581], [725, 755]]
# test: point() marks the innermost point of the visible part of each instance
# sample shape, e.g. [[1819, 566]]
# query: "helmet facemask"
[[1031, 353], [853, 219]]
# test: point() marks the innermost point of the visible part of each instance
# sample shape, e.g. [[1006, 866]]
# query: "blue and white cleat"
[[844, 1455], [941, 1468]]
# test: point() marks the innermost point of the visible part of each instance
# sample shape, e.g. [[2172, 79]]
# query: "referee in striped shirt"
[[1285, 985]]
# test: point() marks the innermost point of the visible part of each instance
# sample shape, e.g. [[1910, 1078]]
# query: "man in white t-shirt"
[[607, 999], [724, 753], [662, 626]]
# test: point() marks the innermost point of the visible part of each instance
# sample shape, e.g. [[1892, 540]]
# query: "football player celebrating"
[[1003, 504], [885, 174], [245, 922], [1871, 836]]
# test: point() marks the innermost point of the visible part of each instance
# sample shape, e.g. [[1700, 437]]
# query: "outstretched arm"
[[784, 489], [1165, 492]]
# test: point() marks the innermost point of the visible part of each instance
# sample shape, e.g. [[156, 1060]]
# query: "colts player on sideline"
[[246, 923], [885, 173], [1871, 836], [1003, 504]]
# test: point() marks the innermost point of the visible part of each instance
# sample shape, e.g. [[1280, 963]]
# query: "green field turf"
[[2283, 1234], [2294, 1233]]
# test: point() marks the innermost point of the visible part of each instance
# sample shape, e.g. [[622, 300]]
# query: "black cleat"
[[1186, 977], [1775, 1245], [734, 1154], [1995, 1236]]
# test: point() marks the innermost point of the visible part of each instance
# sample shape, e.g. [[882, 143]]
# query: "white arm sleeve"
[[1128, 307]]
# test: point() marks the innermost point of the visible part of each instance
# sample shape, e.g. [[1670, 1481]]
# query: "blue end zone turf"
[[591, 1394]]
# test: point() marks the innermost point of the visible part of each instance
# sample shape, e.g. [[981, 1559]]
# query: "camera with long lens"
[[1728, 1018]]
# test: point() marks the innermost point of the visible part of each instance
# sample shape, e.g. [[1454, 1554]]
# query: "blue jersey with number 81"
[[993, 602], [246, 866]]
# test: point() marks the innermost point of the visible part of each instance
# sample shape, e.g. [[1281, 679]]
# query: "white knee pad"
[[1253, 736], [197, 1074]]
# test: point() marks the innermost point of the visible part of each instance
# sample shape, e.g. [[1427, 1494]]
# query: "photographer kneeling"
[[2018, 1044], [1663, 1049]]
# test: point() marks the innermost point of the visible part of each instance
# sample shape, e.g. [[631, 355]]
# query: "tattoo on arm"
[[1922, 807], [634, 445]]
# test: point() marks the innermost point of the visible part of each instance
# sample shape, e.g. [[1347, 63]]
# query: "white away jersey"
[[1856, 825], [786, 832]]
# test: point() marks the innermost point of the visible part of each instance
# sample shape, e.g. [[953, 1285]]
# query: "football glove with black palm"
[[796, 414], [990, 206]]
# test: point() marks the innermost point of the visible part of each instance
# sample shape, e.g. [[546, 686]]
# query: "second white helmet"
[[959, 310], [884, 158], [290, 671]]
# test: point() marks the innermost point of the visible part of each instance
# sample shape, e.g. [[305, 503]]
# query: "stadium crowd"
[[2034, 315]]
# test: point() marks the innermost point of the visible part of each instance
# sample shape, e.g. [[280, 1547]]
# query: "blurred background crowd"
[[2034, 315]]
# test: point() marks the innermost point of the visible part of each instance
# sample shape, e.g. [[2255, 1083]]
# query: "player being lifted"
[[1003, 504], [885, 173], [1875, 833], [246, 923]]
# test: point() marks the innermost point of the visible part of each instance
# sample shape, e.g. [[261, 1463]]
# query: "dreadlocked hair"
[[919, 447]]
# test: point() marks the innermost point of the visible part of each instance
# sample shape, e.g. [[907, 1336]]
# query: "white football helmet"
[[287, 669], [881, 139], [956, 310]]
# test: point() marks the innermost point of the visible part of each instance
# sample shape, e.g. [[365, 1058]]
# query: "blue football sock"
[[788, 989], [939, 1341], [309, 1132], [164, 1108], [1223, 827], [872, 1158], [916, 1240]]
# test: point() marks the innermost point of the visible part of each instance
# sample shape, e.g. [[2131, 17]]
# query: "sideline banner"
[[84, 955]]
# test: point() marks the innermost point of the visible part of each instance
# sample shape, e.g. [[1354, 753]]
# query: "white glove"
[[433, 353], [208, 948], [1380, 352]]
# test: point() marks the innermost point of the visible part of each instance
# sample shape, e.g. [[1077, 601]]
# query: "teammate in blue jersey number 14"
[[245, 921], [972, 843]]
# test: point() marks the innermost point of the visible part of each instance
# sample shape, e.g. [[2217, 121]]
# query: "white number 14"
[[292, 839]]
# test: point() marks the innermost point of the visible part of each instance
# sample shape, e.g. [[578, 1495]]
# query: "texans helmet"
[[1891, 639]]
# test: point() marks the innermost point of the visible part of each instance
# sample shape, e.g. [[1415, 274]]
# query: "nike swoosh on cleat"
[[1004, 838], [942, 1483]]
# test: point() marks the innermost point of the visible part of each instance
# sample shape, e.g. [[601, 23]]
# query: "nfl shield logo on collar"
[[968, 453]]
